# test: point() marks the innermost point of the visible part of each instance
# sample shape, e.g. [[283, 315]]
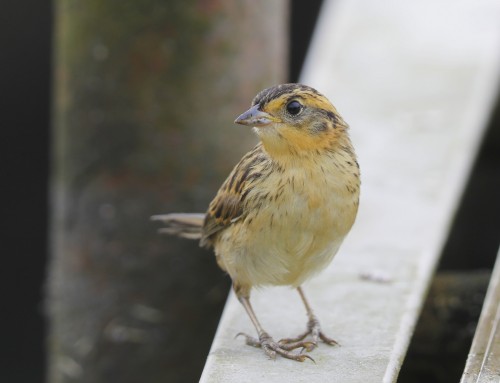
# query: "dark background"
[[25, 81], [25, 41]]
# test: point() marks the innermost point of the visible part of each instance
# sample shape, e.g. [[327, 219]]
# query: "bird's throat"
[[290, 143]]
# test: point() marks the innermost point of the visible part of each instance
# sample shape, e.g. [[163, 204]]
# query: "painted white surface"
[[416, 82]]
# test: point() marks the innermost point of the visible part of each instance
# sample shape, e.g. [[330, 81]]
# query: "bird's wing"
[[228, 206]]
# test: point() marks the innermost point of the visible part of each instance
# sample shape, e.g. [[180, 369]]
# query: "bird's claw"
[[314, 330], [306, 346], [271, 348]]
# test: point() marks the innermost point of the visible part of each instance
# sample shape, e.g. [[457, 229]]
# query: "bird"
[[284, 210]]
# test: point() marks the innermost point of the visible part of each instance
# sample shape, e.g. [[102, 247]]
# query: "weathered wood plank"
[[483, 363], [416, 81]]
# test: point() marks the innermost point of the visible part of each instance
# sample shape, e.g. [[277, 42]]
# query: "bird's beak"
[[255, 117]]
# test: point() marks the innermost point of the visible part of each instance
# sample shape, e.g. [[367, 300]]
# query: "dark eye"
[[294, 108]]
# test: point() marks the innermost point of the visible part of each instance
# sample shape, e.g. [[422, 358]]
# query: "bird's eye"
[[294, 107]]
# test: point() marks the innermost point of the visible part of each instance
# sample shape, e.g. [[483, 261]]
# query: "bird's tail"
[[185, 225]]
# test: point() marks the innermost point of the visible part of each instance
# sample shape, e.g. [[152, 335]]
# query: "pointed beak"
[[254, 117]]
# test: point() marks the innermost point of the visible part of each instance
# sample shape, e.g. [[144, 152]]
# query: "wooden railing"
[[416, 81], [483, 363]]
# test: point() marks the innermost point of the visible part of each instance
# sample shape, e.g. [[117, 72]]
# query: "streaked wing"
[[228, 206]]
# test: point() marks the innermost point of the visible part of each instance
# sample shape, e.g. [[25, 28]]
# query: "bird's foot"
[[314, 330], [271, 348]]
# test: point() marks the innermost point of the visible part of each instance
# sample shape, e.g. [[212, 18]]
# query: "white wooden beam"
[[416, 81]]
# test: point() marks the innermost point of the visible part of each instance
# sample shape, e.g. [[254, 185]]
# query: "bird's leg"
[[265, 341], [313, 329]]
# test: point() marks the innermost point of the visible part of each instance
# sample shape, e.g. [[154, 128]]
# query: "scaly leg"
[[265, 341], [313, 329]]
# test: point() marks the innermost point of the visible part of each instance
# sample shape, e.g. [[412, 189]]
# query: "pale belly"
[[287, 242]]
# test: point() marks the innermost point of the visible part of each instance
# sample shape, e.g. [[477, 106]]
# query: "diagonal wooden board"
[[483, 362], [416, 81]]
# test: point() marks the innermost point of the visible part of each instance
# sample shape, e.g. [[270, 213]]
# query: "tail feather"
[[184, 225]]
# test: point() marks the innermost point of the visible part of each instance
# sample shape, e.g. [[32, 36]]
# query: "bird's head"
[[294, 118]]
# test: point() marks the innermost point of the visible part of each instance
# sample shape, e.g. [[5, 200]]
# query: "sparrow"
[[284, 210]]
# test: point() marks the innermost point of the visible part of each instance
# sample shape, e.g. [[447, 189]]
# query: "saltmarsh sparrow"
[[285, 208]]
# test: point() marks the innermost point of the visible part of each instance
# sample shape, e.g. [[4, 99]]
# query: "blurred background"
[[101, 117], [34, 73]]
